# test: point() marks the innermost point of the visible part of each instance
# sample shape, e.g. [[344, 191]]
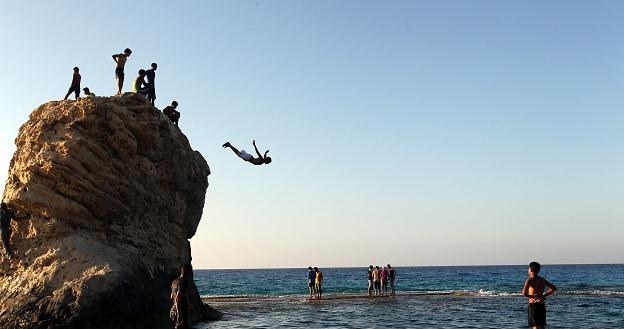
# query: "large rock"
[[115, 192]]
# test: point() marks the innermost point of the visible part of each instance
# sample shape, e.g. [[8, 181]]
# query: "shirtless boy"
[[534, 290], [121, 59], [260, 160]]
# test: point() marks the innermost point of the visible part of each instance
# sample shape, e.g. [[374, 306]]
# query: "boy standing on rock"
[[151, 79], [75, 85], [121, 59]]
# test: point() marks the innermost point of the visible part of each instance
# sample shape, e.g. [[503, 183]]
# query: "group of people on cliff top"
[[148, 89], [139, 86], [380, 278], [315, 282]]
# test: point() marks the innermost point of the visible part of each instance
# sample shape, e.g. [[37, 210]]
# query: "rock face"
[[114, 191]]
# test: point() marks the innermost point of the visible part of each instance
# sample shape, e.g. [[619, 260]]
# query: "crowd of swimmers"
[[140, 85]]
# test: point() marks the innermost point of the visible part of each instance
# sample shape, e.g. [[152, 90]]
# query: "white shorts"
[[244, 155]]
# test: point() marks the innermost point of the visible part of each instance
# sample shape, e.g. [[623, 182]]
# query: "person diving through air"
[[260, 160]]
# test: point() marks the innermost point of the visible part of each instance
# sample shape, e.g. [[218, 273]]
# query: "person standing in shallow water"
[[377, 280], [121, 59], [179, 298], [311, 281], [533, 289], [383, 274], [318, 283], [75, 84], [370, 280], [391, 278]]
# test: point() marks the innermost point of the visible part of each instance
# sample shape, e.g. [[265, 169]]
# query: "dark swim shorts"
[[537, 314], [75, 90], [119, 73]]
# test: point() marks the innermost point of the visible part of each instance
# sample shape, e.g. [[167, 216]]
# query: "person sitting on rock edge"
[[75, 84], [6, 216], [179, 297], [88, 92], [260, 160], [140, 86], [171, 113]]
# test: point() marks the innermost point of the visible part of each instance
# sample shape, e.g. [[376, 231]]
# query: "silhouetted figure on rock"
[[248, 157], [179, 297], [88, 92], [171, 113], [75, 84], [121, 59], [151, 81], [140, 86], [6, 216]]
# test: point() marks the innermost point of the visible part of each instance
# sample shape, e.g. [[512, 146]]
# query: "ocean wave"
[[594, 293], [364, 295]]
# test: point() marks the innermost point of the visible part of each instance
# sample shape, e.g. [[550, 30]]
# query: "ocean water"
[[589, 296]]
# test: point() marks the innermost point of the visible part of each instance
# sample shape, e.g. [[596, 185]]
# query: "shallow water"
[[591, 296]]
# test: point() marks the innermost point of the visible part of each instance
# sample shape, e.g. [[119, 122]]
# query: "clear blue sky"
[[403, 132]]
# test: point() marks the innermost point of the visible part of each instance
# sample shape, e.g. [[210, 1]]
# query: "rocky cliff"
[[114, 192]]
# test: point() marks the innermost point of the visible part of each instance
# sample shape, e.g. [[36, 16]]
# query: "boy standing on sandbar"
[[533, 289], [75, 85], [121, 59]]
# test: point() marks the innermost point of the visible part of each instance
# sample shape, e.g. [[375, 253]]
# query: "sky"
[[403, 132]]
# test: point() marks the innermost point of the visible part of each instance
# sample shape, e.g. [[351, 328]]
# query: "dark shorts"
[[119, 73], [537, 314], [152, 92], [74, 89], [377, 285], [310, 283]]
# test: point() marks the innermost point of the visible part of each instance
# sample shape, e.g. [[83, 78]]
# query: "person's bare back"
[[121, 60]]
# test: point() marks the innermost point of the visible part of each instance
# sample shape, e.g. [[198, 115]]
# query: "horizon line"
[[397, 266]]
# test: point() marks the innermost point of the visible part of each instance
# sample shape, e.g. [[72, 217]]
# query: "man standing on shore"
[[121, 59], [311, 281]]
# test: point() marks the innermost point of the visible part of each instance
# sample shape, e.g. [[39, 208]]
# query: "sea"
[[589, 296]]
